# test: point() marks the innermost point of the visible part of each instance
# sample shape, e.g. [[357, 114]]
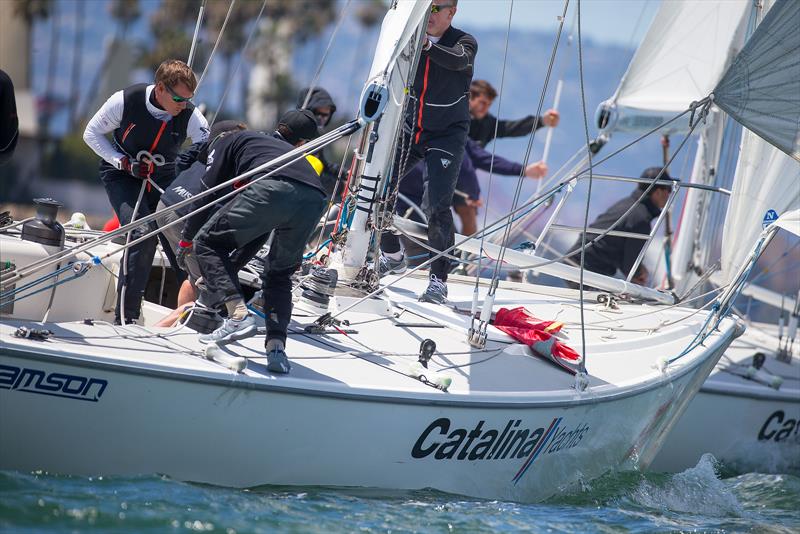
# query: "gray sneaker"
[[231, 330], [436, 292], [387, 265], [277, 362]]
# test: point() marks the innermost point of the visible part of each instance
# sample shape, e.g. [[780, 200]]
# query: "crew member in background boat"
[[289, 202], [149, 125], [468, 190], [438, 121], [187, 184], [9, 122], [484, 127], [323, 107], [615, 253]]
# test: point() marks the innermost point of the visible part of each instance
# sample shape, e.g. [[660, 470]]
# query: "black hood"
[[319, 98]]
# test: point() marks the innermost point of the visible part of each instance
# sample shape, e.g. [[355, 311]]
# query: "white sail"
[[681, 59], [767, 185], [761, 90]]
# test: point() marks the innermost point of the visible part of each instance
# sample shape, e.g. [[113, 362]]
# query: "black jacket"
[[9, 123], [613, 252], [441, 85], [483, 130], [236, 154]]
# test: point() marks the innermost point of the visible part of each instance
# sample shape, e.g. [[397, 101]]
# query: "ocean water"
[[694, 500]]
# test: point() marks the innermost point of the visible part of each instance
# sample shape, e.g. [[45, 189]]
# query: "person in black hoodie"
[[9, 122], [320, 103], [289, 202], [438, 121]]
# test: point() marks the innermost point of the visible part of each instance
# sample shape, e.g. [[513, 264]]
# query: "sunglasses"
[[436, 8], [175, 96]]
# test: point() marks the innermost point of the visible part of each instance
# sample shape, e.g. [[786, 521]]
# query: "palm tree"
[[233, 41], [288, 23]]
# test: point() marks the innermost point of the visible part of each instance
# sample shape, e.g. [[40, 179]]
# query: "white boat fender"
[[234, 363], [763, 377], [435, 379], [77, 221]]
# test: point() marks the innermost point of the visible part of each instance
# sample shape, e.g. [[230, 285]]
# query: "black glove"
[[182, 252], [137, 169]]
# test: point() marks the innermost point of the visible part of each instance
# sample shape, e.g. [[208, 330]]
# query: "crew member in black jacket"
[[289, 202], [615, 253], [438, 121], [484, 126], [9, 122]]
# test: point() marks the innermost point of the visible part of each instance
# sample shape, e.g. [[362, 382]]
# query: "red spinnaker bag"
[[520, 324]]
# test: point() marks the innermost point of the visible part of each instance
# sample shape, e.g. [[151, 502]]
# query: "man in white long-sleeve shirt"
[[149, 123]]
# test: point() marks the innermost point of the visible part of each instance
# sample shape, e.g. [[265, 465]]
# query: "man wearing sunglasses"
[[148, 123], [438, 121]]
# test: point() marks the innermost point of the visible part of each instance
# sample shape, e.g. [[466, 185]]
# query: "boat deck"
[[375, 352]]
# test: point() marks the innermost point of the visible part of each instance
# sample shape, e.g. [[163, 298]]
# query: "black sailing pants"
[[442, 153], [123, 190], [291, 209]]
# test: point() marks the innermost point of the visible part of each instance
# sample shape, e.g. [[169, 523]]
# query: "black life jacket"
[[139, 130]]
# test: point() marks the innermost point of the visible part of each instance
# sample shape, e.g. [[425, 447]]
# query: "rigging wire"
[[216, 44], [196, 34], [229, 81], [494, 145], [315, 79], [532, 137], [582, 363]]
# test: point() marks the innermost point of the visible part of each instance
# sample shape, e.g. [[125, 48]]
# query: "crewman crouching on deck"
[[288, 202]]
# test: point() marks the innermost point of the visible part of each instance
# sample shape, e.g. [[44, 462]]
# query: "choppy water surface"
[[696, 499]]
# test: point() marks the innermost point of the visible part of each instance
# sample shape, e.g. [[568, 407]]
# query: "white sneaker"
[[232, 330]]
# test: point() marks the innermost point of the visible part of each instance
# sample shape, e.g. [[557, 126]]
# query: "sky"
[[620, 22]]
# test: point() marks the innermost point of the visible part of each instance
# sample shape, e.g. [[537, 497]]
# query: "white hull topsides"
[[97, 399], [745, 423]]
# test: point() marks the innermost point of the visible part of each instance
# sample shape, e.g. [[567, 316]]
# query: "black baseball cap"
[[650, 173], [301, 125]]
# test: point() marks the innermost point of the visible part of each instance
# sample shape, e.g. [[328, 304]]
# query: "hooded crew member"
[[149, 124], [323, 107]]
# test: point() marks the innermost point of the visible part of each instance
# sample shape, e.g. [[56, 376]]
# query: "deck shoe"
[[278, 362], [232, 330], [436, 292], [387, 265]]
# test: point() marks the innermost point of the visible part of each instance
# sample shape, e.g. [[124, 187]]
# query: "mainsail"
[[761, 90], [681, 58]]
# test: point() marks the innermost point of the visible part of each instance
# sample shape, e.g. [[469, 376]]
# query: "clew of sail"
[[683, 55], [761, 89]]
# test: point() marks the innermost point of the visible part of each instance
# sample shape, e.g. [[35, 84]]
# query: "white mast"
[[382, 103]]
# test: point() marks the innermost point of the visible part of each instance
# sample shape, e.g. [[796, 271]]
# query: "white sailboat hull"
[[104, 407], [744, 423]]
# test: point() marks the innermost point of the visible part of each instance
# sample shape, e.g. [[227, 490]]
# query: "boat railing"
[[676, 186]]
